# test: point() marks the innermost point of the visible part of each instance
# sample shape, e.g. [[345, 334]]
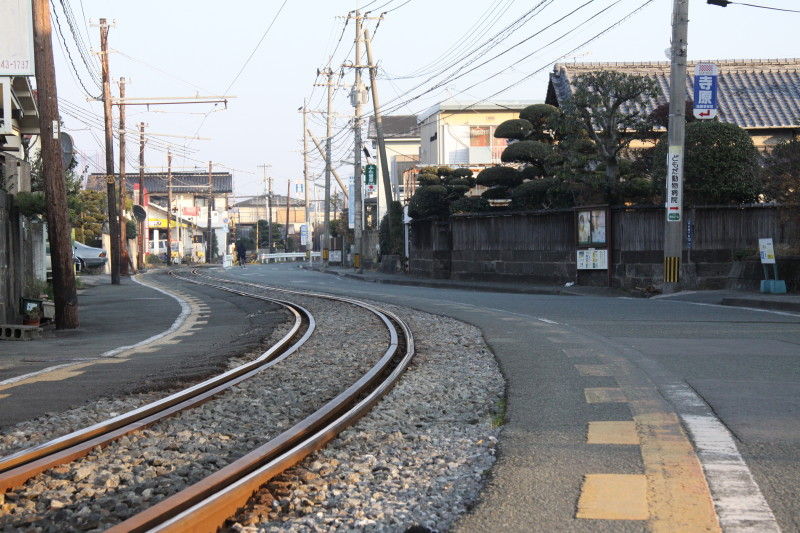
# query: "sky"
[[427, 51]]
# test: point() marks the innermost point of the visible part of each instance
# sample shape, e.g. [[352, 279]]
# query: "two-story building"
[[246, 214]]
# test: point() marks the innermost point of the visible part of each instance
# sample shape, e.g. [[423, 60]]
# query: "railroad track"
[[18, 467], [204, 506]]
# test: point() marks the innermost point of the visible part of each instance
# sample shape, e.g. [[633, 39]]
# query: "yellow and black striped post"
[[672, 269]]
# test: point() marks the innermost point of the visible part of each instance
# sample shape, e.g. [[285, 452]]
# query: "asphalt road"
[[673, 360], [219, 326]]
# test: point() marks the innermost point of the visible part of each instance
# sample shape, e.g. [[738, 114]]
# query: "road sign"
[[674, 186], [705, 90], [371, 175], [16, 44], [766, 251], [304, 235]]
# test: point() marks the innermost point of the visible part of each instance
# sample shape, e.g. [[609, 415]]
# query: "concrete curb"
[[555, 291], [762, 304]]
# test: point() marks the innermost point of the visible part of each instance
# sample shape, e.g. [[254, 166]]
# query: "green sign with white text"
[[371, 175]]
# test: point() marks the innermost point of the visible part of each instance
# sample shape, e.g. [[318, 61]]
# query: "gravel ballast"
[[419, 458]]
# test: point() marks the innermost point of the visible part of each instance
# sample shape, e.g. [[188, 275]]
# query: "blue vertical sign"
[[706, 76]]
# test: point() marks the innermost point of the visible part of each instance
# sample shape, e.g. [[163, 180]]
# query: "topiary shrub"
[[499, 176], [516, 128], [427, 179], [546, 193], [543, 118], [495, 193], [469, 204], [430, 201]]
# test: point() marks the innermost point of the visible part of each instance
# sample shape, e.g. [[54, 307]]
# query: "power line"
[[69, 55]]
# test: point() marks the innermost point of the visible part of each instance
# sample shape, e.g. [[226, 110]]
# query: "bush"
[[546, 193], [469, 204], [131, 229], [721, 165], [461, 173], [495, 193], [499, 176], [516, 128], [392, 220], [152, 259], [31, 204], [543, 118], [427, 179], [536, 154], [429, 201]]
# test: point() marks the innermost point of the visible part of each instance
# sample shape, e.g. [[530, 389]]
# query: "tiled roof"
[[395, 127], [182, 182], [753, 93], [277, 200]]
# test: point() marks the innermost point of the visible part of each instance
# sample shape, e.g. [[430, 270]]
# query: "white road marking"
[[738, 500], [729, 307], [185, 311], [547, 321]]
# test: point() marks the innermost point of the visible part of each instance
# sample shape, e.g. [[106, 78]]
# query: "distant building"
[[760, 95], [190, 206], [401, 134], [247, 213]]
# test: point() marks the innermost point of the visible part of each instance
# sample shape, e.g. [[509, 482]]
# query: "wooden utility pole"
[[267, 205], [55, 191], [113, 222], [286, 229], [142, 227], [309, 229], [123, 230], [208, 209], [169, 206], [373, 77]]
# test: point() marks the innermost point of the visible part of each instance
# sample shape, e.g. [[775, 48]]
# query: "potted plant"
[[32, 316]]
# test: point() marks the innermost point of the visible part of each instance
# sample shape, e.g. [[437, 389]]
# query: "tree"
[[263, 233], [88, 213], [782, 172], [607, 107], [391, 230], [721, 165]]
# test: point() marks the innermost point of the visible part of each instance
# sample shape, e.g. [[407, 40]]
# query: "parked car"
[[48, 262], [90, 257]]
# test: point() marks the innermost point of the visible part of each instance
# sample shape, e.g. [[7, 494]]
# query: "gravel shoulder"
[[420, 458]]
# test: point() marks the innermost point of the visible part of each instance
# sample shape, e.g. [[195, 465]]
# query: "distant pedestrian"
[[241, 252]]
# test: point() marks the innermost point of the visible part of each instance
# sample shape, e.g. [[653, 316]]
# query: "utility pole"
[[267, 205], [55, 191], [169, 206], [208, 210], [356, 97], [333, 171], [142, 227], [309, 228], [673, 225], [123, 233], [113, 222], [286, 229], [326, 230], [373, 75]]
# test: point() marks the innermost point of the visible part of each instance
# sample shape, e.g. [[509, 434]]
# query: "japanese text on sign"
[[705, 90], [674, 183]]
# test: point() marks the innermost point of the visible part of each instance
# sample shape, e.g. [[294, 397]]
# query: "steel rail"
[[20, 466], [206, 505]]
